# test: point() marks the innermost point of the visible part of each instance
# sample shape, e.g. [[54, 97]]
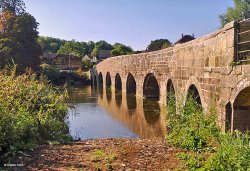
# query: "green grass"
[[207, 147]]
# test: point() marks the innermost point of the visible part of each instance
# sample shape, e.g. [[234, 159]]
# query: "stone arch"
[[241, 110], [131, 84], [151, 87], [100, 80], [194, 94], [170, 92], [228, 120], [108, 80], [118, 82], [193, 81]]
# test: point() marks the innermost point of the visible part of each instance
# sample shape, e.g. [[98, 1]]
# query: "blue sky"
[[132, 22]]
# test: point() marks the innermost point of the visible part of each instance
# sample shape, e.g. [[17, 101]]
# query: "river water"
[[105, 113]]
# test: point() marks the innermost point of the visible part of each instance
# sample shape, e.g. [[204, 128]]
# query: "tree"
[[240, 11], [75, 48], [14, 6], [18, 36], [158, 44], [120, 49], [49, 44], [101, 45]]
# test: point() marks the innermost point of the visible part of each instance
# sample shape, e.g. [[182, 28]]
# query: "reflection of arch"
[[101, 92], [228, 116], [100, 78], [108, 94], [131, 103], [194, 94], [108, 80], [118, 82], [95, 81], [170, 92], [118, 98], [150, 87], [151, 111], [131, 84], [241, 108]]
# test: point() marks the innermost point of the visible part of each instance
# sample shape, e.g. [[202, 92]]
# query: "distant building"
[[86, 58], [48, 57], [67, 62], [104, 54], [94, 60], [184, 39]]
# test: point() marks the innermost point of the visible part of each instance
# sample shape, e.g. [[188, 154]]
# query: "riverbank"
[[106, 154]]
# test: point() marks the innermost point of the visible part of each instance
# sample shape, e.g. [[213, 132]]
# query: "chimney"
[[182, 35], [193, 35]]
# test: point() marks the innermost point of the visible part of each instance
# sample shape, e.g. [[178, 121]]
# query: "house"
[[86, 58], [94, 60], [67, 62], [184, 39], [104, 54], [48, 57]]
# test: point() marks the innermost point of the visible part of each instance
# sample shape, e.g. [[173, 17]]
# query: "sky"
[[132, 22]]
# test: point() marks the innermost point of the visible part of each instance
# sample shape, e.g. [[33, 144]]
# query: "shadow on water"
[[118, 98], [109, 94], [152, 110], [114, 114], [131, 103]]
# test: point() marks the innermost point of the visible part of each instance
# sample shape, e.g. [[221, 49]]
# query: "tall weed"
[[31, 112]]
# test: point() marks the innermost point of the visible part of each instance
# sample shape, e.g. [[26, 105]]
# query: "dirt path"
[[110, 154]]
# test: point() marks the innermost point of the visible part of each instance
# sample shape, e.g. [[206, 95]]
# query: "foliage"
[[18, 35], [209, 149], [120, 49], [233, 153], [159, 44], [240, 11], [74, 48], [191, 128], [101, 45], [50, 44], [60, 78], [15, 6], [31, 112]]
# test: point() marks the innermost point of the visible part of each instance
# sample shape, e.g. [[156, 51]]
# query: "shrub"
[[232, 154], [190, 127], [31, 112], [210, 149]]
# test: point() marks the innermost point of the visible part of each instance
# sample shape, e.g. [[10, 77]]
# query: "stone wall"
[[205, 62]]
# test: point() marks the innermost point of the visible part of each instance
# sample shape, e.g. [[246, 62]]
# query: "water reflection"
[[118, 98], [131, 103], [151, 110], [110, 113], [109, 94]]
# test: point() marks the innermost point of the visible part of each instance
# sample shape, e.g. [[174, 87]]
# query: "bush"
[[58, 78], [190, 127], [31, 112], [209, 149], [232, 154]]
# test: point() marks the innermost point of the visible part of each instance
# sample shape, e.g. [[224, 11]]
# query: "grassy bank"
[[209, 149], [32, 112]]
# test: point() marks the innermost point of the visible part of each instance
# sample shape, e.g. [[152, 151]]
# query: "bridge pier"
[[209, 66]]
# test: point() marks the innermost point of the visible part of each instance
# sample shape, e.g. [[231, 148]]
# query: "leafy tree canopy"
[[49, 44], [18, 36], [14, 6], [158, 44], [120, 49], [240, 11], [78, 49]]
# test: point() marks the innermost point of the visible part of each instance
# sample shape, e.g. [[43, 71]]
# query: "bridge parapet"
[[205, 65]]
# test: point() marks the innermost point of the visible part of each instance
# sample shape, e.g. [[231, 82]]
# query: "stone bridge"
[[214, 67]]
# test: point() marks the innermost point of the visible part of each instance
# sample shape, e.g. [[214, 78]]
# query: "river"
[[105, 113]]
